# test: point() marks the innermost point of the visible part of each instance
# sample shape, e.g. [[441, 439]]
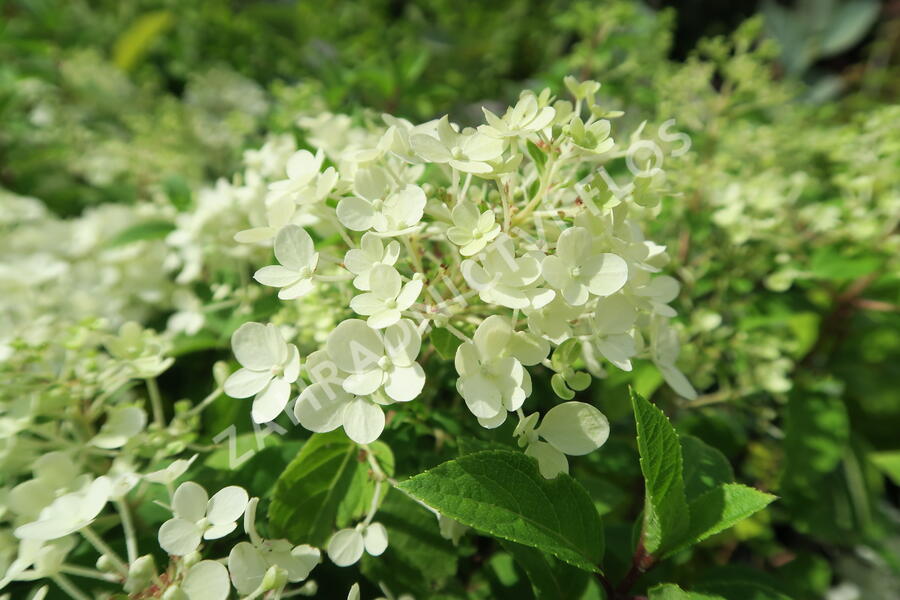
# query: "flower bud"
[[275, 578], [140, 574]]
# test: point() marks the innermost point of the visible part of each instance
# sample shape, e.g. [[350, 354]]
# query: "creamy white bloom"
[[492, 378], [371, 252], [324, 407], [297, 254], [198, 517], [378, 205], [506, 279], [269, 367], [525, 118], [471, 230], [388, 297], [470, 151], [383, 359], [577, 272]]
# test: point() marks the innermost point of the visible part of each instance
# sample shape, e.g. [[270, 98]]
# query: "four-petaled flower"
[[297, 254], [199, 517], [572, 428], [388, 297], [378, 205], [270, 366], [577, 272], [472, 230]]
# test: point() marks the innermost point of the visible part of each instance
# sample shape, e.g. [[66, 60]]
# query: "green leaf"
[[704, 467], [502, 494], [848, 25], [135, 41], [550, 578], [721, 508], [666, 514], [537, 155], [888, 463], [148, 230], [670, 591], [445, 343], [742, 590], [418, 559], [326, 484]]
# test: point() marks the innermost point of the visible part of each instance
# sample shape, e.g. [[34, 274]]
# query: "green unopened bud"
[[310, 588], [275, 578], [221, 372], [105, 565], [140, 574]]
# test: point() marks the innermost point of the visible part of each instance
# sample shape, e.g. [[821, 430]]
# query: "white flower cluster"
[[505, 237]]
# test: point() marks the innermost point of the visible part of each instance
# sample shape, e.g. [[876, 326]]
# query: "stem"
[[640, 564], [90, 573], [104, 549], [131, 546], [68, 587], [156, 402], [204, 403]]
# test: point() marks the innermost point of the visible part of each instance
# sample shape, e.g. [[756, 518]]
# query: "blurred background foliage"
[[782, 217]]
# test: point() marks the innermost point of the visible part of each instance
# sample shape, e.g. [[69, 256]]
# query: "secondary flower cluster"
[[503, 241]]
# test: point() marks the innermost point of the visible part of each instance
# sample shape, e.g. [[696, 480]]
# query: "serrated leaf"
[[666, 514], [148, 230], [501, 493], [721, 508], [550, 578], [444, 342], [704, 467], [670, 591], [326, 485]]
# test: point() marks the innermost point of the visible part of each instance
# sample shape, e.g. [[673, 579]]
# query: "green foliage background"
[[789, 308]]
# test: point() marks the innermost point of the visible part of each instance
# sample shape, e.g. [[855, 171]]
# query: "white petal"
[[271, 401], [179, 537], [405, 383], [402, 342], [297, 290], [300, 562], [572, 245], [276, 276], [493, 422], [244, 383], [189, 501], [251, 347], [356, 214], [354, 346], [371, 183], [363, 421], [409, 294], [614, 314], [320, 407], [219, 531], [492, 337], [301, 165], [375, 537], [551, 461], [346, 547], [383, 318], [247, 567], [611, 274], [227, 505], [574, 428], [429, 148], [677, 381], [207, 580], [365, 383], [481, 395], [294, 247], [385, 281], [122, 424]]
